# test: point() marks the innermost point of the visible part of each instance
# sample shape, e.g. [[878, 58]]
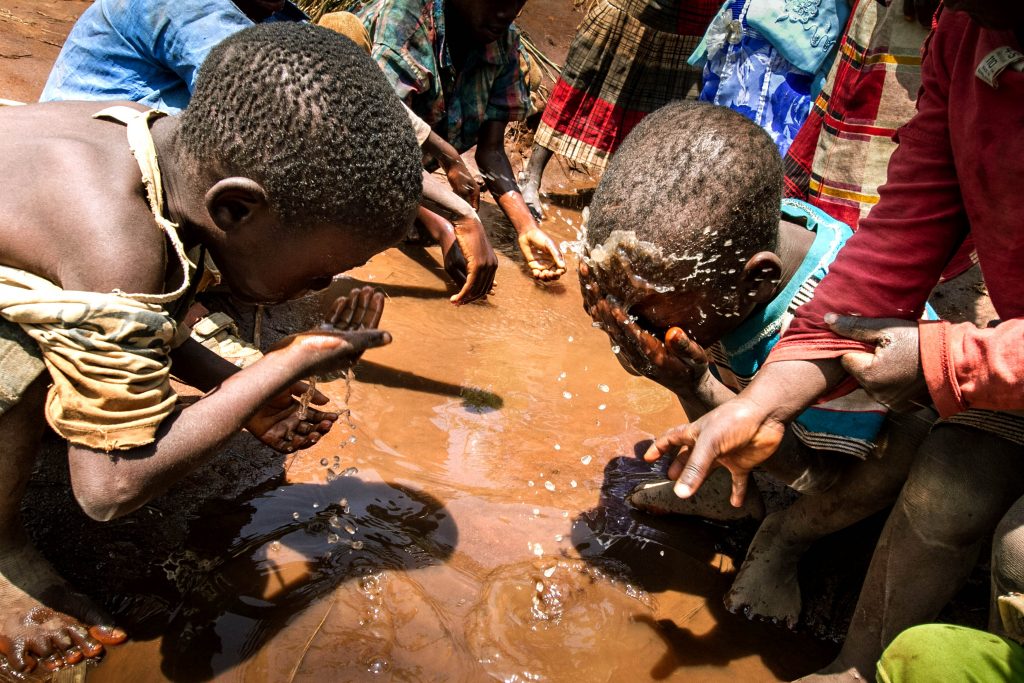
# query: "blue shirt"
[[146, 51]]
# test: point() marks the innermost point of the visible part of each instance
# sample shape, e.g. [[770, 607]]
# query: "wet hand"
[[463, 182], [279, 425], [542, 255], [738, 435], [471, 261], [921, 10], [678, 364], [892, 375]]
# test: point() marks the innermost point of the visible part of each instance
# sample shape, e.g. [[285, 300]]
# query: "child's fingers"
[[376, 309], [739, 489]]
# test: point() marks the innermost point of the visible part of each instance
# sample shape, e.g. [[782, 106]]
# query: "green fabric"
[[942, 652]]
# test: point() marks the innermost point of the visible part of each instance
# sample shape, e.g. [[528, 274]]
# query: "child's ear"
[[761, 275], [233, 202]]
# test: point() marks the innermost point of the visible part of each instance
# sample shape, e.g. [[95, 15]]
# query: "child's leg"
[[39, 613], [960, 485], [767, 584]]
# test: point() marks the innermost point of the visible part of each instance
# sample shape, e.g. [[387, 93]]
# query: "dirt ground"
[[466, 522]]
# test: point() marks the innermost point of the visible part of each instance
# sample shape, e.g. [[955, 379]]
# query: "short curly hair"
[[305, 113], [693, 178]]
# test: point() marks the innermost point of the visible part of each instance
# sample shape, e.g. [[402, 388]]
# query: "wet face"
[[484, 20], [268, 265], [994, 14]]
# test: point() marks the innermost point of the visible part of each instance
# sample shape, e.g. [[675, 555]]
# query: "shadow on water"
[[248, 566], [676, 553], [473, 399]]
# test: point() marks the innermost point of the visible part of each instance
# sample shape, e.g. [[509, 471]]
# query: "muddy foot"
[[710, 502], [766, 586], [43, 621]]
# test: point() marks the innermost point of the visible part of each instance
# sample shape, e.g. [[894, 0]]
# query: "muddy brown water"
[[464, 522]]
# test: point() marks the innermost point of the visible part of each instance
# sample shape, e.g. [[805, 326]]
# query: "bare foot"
[[711, 501], [766, 585], [45, 622]]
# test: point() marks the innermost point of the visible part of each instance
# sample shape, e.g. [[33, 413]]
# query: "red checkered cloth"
[[840, 156], [628, 58]]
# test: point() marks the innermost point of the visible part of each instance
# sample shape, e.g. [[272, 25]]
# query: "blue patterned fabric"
[[146, 51], [744, 71], [847, 424]]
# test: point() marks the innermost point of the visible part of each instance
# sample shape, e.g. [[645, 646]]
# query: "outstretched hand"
[[738, 435], [470, 261], [542, 254], [349, 328], [892, 375]]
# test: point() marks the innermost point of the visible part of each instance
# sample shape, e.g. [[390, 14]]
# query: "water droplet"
[[357, 545], [324, 461], [558, 446], [662, 553], [332, 538], [570, 338], [566, 395], [549, 486], [615, 348], [727, 243], [559, 537], [295, 515], [275, 546], [602, 406], [530, 482], [539, 586], [538, 550], [349, 471], [378, 665], [549, 572], [334, 521], [565, 514], [561, 376], [316, 505], [536, 512], [350, 528], [572, 483], [586, 459], [603, 387]]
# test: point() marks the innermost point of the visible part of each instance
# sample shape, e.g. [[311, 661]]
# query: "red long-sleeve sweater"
[[959, 168]]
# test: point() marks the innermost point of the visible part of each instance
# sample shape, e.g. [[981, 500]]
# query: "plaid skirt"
[[628, 58]]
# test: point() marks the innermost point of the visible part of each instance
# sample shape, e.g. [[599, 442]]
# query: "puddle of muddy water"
[[471, 541]]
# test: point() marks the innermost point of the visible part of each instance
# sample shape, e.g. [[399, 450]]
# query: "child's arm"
[[112, 484], [475, 272], [542, 254], [461, 179]]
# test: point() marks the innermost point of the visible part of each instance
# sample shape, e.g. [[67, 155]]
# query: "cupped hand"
[[471, 261], [542, 254], [892, 375], [463, 182], [279, 425], [738, 435], [921, 10]]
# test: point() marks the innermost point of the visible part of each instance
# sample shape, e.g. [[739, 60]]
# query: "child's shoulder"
[[72, 205]]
